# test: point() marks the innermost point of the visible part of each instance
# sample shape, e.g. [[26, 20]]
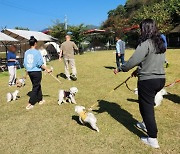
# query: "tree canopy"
[[165, 12]]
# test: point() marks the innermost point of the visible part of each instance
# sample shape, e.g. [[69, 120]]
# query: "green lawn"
[[53, 129]]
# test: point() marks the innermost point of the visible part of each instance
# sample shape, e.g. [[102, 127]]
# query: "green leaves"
[[165, 12]]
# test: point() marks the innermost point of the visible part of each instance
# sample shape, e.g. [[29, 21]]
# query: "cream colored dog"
[[158, 98], [12, 96], [86, 117]]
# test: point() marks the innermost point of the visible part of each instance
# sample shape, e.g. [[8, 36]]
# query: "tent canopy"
[[24, 35], [5, 38], [176, 29]]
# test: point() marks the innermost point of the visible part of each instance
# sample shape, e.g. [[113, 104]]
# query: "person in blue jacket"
[[165, 44], [11, 63], [33, 63]]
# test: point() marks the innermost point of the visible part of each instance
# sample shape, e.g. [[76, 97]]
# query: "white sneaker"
[[29, 107], [42, 102], [142, 126], [153, 142]]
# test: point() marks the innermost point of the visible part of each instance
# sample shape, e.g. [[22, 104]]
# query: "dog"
[[67, 96], [20, 82], [158, 98], [86, 117], [12, 96]]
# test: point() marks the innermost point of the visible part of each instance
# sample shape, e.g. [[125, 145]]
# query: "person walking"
[[11, 63], [33, 63], [165, 44], [67, 52], [149, 57], [120, 50]]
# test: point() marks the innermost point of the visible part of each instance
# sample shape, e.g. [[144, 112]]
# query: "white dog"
[[86, 117], [20, 82], [67, 96], [12, 96], [158, 98]]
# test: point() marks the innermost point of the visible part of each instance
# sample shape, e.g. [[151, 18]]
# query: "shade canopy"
[[176, 29], [24, 35], [5, 38]]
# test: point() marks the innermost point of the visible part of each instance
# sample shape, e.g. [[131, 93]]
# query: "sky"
[[40, 14]]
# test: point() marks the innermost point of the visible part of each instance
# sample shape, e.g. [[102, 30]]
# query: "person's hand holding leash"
[[116, 71], [47, 69], [135, 73]]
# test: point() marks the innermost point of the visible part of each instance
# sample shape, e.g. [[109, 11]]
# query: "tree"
[[119, 11], [166, 13], [156, 12], [78, 33], [58, 31]]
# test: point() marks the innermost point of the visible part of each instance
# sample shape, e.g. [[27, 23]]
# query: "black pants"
[[36, 93], [147, 89]]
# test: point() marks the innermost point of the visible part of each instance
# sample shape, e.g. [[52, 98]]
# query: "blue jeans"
[[119, 59]]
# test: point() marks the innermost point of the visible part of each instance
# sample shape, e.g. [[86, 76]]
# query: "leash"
[[172, 84], [124, 82], [55, 78]]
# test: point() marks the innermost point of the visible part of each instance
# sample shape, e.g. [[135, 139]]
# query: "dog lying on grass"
[[67, 96], [12, 96], [158, 98], [86, 117]]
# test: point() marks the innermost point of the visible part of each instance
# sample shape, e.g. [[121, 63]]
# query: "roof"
[[133, 27], [24, 35], [5, 38], [94, 31], [176, 29]]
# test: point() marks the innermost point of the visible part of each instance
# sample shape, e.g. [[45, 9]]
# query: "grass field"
[[54, 129]]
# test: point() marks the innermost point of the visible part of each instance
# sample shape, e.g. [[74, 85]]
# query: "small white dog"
[[12, 96], [158, 98], [20, 82], [67, 96], [86, 117]]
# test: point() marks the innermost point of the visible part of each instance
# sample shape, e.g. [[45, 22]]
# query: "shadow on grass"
[[172, 97], [121, 115], [62, 75], [29, 94], [110, 67], [76, 118], [132, 100]]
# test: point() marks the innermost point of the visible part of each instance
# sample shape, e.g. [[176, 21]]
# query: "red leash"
[[171, 84]]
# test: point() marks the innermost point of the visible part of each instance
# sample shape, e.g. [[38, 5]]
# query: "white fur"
[[136, 91], [158, 98], [12, 96], [91, 119], [70, 98], [20, 82]]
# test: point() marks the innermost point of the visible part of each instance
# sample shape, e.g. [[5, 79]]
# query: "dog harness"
[[83, 115]]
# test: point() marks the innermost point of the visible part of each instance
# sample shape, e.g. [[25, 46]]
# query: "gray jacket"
[[150, 65]]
